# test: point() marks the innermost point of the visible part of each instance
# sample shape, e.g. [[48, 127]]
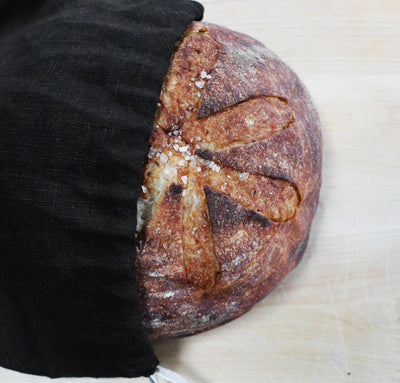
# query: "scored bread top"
[[230, 185]]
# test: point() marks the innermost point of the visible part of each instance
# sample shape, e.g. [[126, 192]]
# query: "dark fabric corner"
[[79, 84]]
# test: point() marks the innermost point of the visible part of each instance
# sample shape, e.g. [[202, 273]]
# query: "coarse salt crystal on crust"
[[200, 84], [243, 176], [163, 157]]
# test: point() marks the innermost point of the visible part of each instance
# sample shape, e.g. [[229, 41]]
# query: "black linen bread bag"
[[79, 84]]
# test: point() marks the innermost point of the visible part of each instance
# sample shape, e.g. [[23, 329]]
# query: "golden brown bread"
[[230, 186]]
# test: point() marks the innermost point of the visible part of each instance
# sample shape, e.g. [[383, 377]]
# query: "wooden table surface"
[[336, 317]]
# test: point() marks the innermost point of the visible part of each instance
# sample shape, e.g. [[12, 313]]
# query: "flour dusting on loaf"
[[230, 185]]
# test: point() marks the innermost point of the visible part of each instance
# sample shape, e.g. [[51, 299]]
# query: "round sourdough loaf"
[[230, 185]]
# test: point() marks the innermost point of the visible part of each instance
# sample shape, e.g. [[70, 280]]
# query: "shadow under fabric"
[[79, 85]]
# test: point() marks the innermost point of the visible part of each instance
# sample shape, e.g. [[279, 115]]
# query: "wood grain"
[[336, 317]]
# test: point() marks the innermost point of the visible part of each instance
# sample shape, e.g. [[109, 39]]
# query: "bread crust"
[[233, 178]]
